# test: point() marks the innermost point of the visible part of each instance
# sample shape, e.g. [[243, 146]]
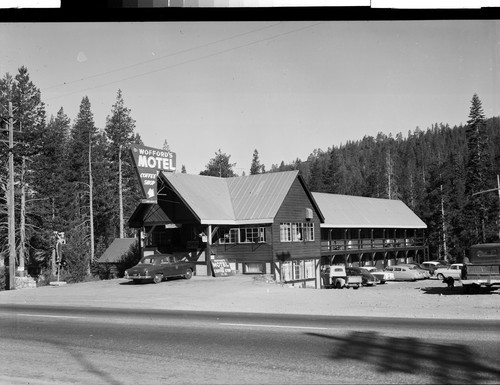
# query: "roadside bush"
[[3, 278], [102, 270], [131, 258]]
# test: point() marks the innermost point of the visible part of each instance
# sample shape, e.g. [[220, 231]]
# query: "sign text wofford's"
[[156, 159], [148, 163]]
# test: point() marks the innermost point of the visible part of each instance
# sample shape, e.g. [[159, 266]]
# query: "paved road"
[[61, 345]]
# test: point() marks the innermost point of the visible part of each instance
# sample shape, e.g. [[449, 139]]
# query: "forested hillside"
[[73, 177], [435, 172]]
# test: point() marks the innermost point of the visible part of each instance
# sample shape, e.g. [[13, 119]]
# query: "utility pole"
[[91, 198], [11, 204]]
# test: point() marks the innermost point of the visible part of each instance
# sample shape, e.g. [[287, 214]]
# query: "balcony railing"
[[367, 244]]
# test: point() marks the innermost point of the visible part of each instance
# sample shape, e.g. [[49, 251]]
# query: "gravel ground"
[[243, 293]]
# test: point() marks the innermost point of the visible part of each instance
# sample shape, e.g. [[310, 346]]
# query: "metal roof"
[[260, 196], [240, 200], [346, 211]]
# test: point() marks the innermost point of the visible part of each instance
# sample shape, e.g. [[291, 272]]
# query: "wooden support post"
[[208, 253]]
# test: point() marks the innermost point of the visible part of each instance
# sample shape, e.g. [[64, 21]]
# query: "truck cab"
[[337, 277], [483, 269]]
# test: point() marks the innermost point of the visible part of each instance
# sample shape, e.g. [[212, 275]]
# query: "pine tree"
[[219, 166], [330, 174], [120, 132], [256, 167], [49, 167], [79, 215], [478, 172], [29, 117]]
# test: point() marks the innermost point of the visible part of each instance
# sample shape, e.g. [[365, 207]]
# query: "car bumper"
[[137, 276]]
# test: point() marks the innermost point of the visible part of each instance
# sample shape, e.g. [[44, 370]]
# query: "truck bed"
[[481, 276]]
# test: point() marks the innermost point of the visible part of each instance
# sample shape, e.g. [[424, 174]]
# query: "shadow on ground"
[[457, 290], [441, 363], [150, 282]]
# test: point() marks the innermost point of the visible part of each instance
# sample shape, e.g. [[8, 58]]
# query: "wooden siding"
[[246, 252], [292, 210]]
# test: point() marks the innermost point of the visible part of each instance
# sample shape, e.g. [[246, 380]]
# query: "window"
[[285, 232], [252, 235], [229, 236], [296, 232], [309, 230], [242, 235], [255, 268], [298, 270]]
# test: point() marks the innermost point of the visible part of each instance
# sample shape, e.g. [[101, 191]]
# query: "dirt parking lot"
[[243, 293]]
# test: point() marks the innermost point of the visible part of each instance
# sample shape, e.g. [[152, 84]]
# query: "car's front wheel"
[[189, 274], [440, 276], [158, 278]]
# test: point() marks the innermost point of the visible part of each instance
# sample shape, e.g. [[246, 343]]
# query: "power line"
[[187, 61], [160, 57]]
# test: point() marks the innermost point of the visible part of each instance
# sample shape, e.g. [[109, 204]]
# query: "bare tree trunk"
[[120, 191], [445, 247]]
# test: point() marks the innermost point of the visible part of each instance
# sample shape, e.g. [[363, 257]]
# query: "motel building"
[[272, 224]]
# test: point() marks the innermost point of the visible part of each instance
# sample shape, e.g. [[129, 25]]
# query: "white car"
[[434, 265], [382, 276], [404, 273], [454, 271]]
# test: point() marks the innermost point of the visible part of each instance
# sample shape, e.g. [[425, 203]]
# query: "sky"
[[281, 88]]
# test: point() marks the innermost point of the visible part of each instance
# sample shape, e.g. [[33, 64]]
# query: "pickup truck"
[[337, 277], [483, 271]]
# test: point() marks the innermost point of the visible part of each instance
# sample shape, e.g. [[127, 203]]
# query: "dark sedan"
[[368, 279], [158, 267]]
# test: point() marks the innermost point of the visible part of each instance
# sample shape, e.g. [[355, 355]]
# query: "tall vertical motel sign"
[[148, 163]]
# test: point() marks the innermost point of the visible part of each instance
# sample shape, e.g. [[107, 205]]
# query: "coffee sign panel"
[[148, 163]]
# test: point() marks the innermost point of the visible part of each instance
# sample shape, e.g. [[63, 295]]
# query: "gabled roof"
[[346, 211], [240, 200], [148, 214], [118, 248]]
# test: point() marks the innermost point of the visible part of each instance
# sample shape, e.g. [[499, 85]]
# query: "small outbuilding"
[[113, 255]]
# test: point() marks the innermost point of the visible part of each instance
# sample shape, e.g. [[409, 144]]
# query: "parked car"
[[381, 275], [454, 271], [404, 273], [368, 279], [158, 267], [415, 266], [433, 265]]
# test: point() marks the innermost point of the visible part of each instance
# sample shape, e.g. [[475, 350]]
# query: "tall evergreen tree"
[[79, 213], [50, 184], [119, 130], [256, 167], [478, 173], [29, 122]]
